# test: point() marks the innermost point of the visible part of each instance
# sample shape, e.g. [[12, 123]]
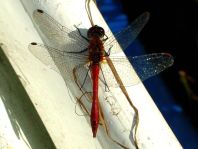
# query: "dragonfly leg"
[[81, 86], [106, 37], [85, 79], [105, 83], [79, 51], [80, 103], [81, 34], [109, 51]]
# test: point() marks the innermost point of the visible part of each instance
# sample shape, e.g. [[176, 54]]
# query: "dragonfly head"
[[95, 31]]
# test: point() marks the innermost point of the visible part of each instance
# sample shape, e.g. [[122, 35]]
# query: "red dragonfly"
[[67, 50]]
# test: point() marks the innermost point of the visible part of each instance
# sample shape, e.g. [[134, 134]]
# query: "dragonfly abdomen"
[[95, 69]]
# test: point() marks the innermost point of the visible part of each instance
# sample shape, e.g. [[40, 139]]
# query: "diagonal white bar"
[[56, 125]]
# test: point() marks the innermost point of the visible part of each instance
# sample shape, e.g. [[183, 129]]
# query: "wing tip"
[[37, 12], [169, 58], [33, 43], [146, 15]]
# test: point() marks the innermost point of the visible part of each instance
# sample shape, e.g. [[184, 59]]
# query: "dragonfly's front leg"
[[109, 51], [81, 33], [105, 39], [79, 51]]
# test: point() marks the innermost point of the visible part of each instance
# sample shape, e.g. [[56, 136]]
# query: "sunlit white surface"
[[50, 95]]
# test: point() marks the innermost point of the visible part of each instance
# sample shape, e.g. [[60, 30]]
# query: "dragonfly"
[[68, 50]]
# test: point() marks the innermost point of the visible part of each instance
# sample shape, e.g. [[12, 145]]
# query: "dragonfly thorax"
[[95, 31], [96, 50], [96, 57]]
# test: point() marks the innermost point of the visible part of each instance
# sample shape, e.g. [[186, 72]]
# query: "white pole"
[[53, 100]]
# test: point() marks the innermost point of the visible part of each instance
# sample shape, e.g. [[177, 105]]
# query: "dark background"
[[172, 28]]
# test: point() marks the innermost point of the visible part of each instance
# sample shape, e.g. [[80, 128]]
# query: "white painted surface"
[[51, 97]]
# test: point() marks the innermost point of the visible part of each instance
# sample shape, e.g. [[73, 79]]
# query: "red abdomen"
[[95, 103]]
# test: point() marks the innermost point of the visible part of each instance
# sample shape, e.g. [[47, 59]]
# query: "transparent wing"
[[127, 35], [59, 36], [150, 65], [60, 61], [145, 66]]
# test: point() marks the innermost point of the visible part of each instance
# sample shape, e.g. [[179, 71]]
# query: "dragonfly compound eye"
[[95, 31]]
